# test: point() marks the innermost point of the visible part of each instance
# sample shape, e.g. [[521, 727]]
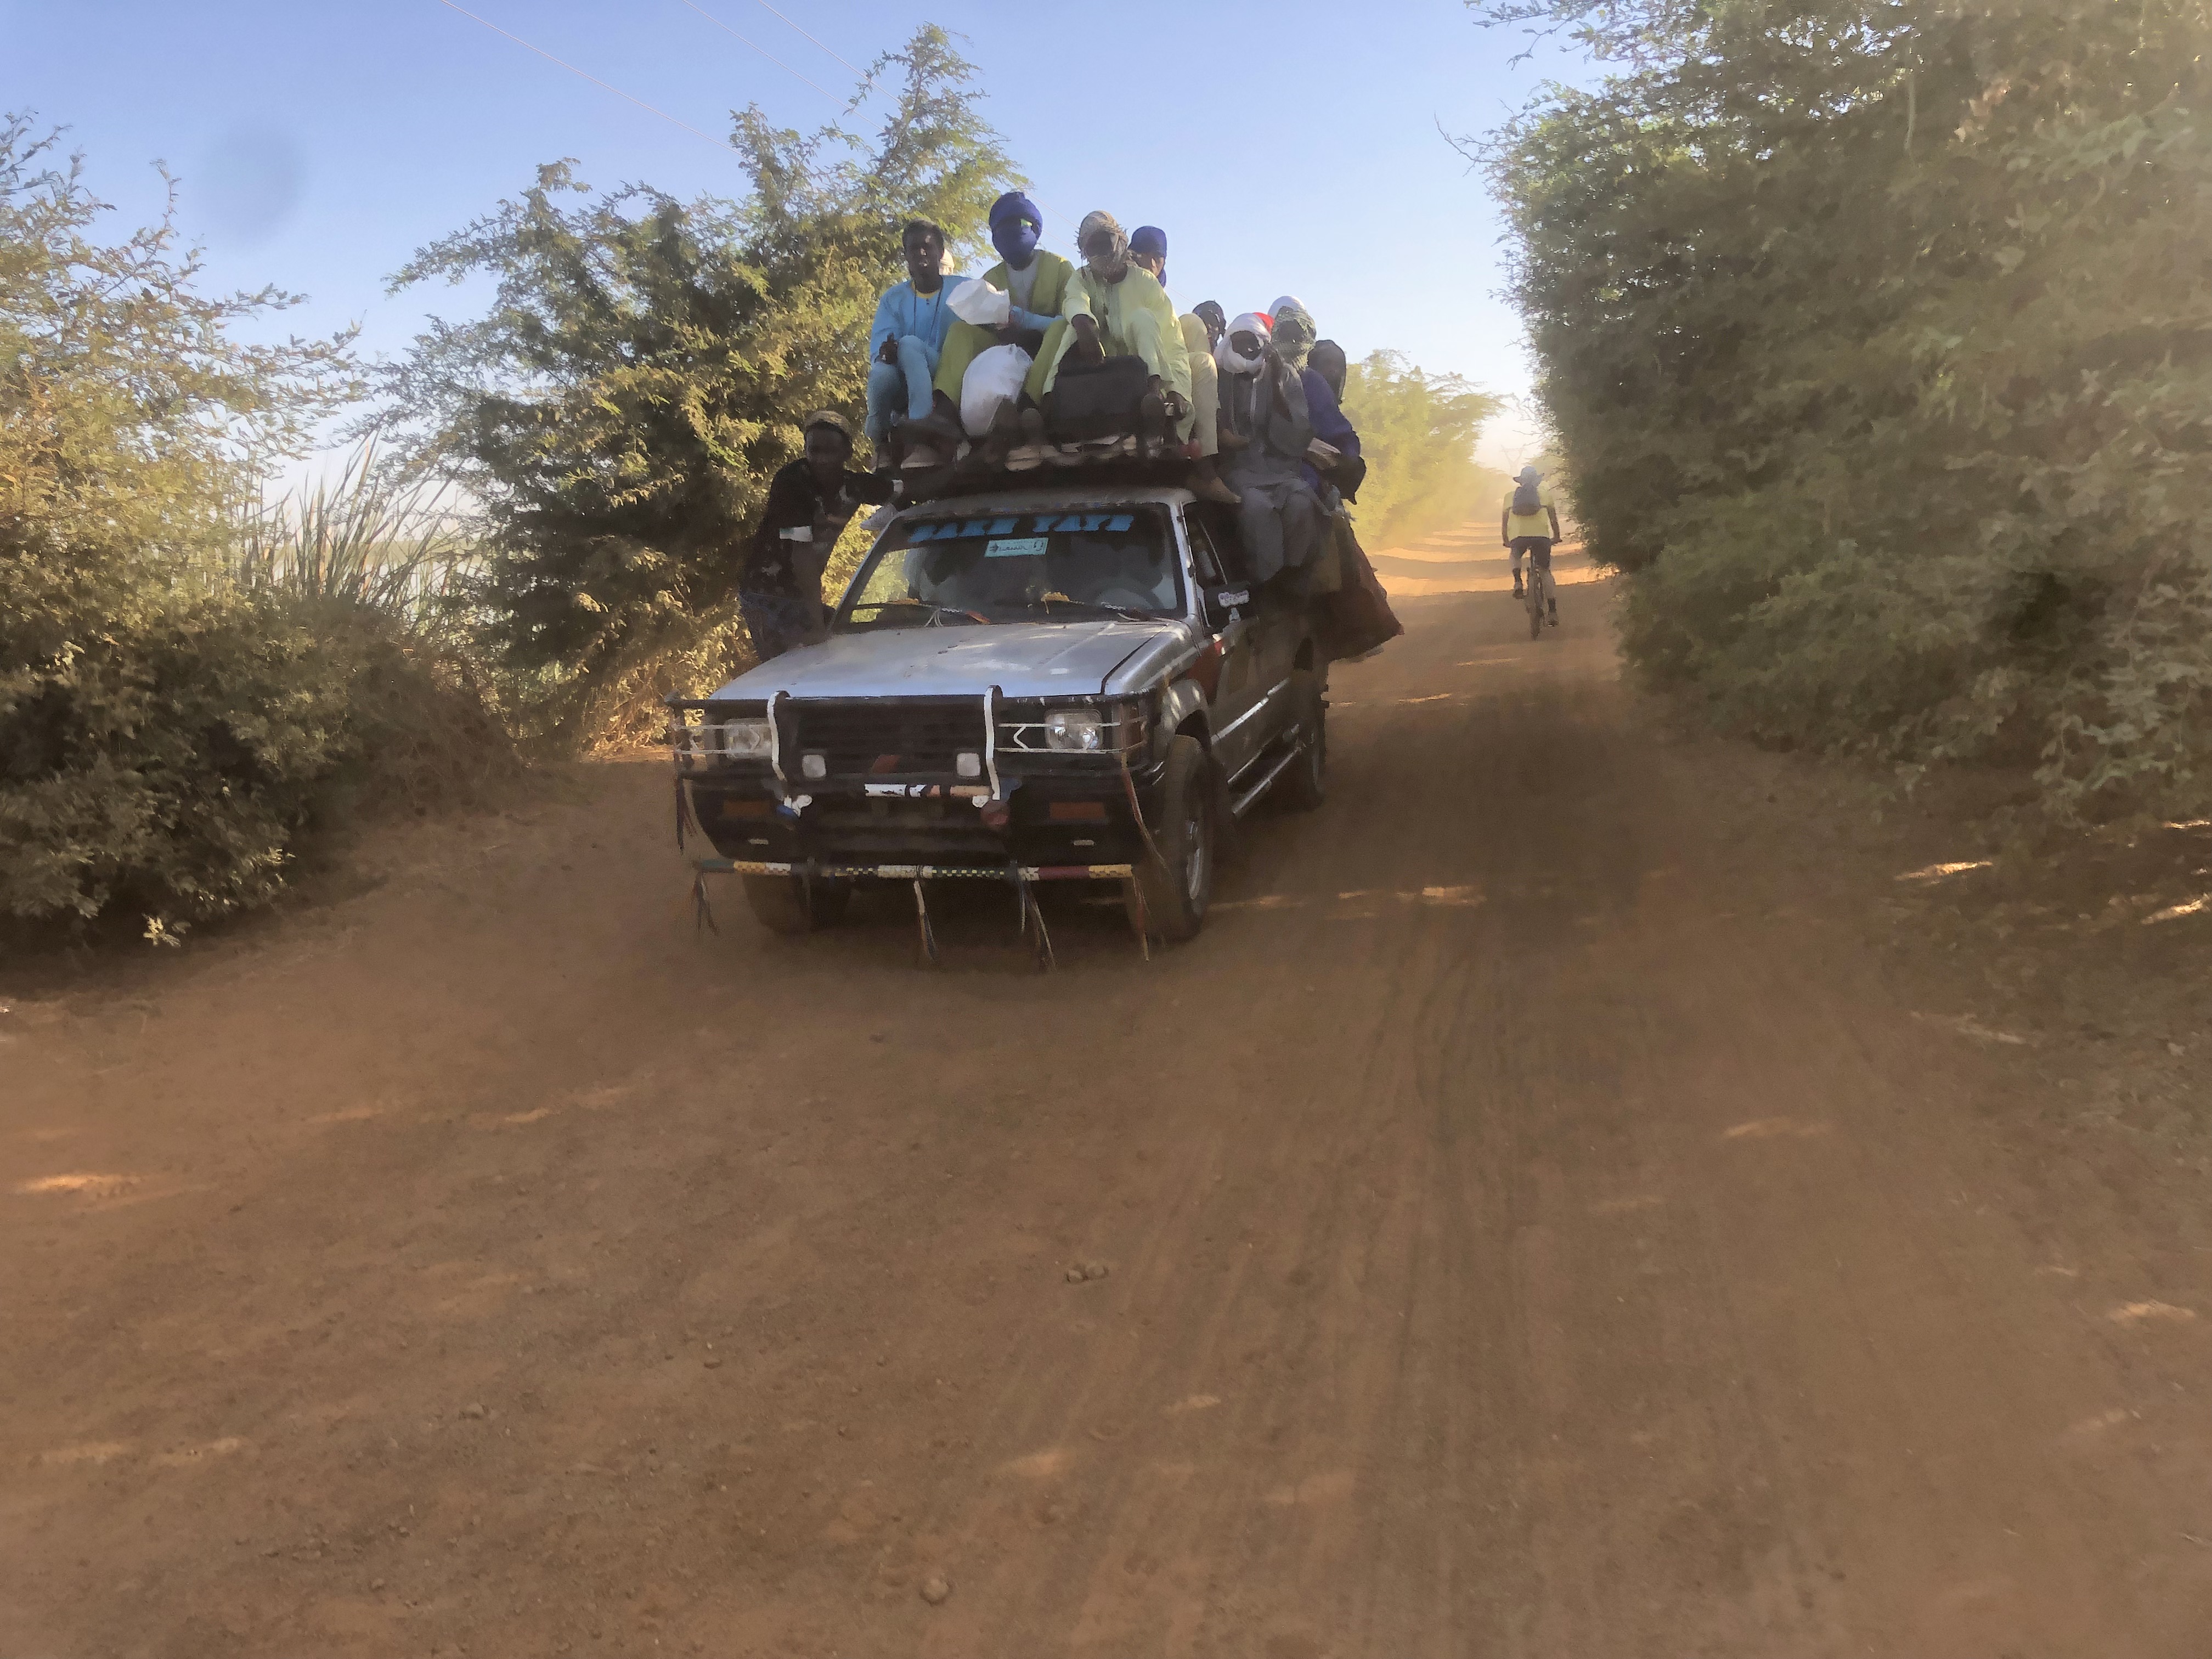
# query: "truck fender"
[[1178, 703]]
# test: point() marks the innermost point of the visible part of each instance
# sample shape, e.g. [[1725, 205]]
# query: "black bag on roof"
[[1096, 400]]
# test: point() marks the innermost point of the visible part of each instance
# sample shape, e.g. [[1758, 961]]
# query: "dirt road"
[[1525, 1224]]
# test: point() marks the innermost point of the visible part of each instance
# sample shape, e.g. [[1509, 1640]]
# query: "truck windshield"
[[1018, 567]]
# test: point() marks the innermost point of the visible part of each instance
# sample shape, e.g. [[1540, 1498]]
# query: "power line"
[[764, 53], [594, 79], [764, 6]]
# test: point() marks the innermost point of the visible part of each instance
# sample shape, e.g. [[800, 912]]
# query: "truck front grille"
[[888, 736]]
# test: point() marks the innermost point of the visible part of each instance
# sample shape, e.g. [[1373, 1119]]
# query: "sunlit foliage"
[[161, 734], [1417, 431], [644, 371], [1876, 336]]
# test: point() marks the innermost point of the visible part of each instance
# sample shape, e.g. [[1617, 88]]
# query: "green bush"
[[1879, 338], [168, 771], [165, 733]]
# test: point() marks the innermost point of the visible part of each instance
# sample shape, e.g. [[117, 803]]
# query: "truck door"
[[1219, 562], [1274, 626]]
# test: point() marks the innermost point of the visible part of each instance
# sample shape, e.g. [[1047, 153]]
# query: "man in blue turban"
[[1034, 282]]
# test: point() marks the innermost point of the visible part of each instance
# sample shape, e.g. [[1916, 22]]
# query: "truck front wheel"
[[1178, 886], [791, 904]]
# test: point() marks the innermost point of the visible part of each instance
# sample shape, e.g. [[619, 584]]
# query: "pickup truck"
[[1022, 685]]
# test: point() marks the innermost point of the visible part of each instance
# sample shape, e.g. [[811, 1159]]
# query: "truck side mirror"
[[1220, 601]]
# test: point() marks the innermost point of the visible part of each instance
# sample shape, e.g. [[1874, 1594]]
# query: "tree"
[[645, 368], [1416, 432], [1879, 339], [158, 734]]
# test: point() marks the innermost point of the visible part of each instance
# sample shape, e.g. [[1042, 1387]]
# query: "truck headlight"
[[1077, 729], [745, 740]]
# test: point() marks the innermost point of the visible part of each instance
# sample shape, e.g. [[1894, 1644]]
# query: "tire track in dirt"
[[1533, 1229]]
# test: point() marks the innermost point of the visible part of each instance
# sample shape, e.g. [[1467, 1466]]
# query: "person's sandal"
[[1205, 483], [1035, 449], [1151, 422], [999, 442]]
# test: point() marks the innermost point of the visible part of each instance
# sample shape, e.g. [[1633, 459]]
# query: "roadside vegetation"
[[643, 372], [1876, 336], [167, 729], [1417, 431]]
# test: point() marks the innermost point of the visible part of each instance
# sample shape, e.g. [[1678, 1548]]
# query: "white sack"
[[974, 301], [995, 377]]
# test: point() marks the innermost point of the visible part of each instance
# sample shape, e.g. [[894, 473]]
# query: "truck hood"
[[1022, 659]]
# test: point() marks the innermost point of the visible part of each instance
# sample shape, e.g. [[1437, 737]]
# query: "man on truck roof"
[[1034, 279], [1148, 249], [912, 320], [1114, 309]]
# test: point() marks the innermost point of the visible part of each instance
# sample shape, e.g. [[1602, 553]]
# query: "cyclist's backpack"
[[1527, 503]]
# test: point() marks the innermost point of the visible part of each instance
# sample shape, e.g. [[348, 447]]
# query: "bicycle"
[[1540, 595]]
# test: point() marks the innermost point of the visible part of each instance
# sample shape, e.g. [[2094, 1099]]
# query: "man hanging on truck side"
[[810, 502]]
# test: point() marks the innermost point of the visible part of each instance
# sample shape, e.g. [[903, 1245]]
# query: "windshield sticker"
[[1018, 547]]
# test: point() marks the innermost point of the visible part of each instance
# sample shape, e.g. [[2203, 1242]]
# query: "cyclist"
[[1530, 525]]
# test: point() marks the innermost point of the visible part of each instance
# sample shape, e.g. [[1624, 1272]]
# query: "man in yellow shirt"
[[1530, 524], [1114, 307]]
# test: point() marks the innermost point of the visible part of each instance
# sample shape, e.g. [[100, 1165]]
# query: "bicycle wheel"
[[1537, 582]]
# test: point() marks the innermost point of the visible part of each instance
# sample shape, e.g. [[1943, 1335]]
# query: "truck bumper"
[[925, 831]]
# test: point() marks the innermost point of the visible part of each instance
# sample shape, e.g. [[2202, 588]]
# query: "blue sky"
[[1286, 147]]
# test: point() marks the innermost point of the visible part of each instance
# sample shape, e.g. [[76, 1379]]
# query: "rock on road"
[[1515, 1227]]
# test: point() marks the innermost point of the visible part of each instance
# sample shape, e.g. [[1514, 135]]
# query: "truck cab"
[[1025, 685]]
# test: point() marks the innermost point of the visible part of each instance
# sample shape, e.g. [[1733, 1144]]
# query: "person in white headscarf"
[[1114, 307], [1266, 430]]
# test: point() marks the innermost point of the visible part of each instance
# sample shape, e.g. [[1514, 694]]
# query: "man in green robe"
[[1116, 308]]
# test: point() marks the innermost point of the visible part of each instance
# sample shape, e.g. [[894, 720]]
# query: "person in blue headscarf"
[[1035, 282], [1148, 247]]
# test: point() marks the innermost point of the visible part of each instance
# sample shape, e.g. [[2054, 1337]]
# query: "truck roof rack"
[[969, 475]]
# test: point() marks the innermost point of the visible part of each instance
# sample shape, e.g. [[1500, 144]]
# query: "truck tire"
[[1304, 783], [1178, 886], [787, 905]]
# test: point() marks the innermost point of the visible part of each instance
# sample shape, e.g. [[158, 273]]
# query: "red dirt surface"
[[1529, 1221]]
